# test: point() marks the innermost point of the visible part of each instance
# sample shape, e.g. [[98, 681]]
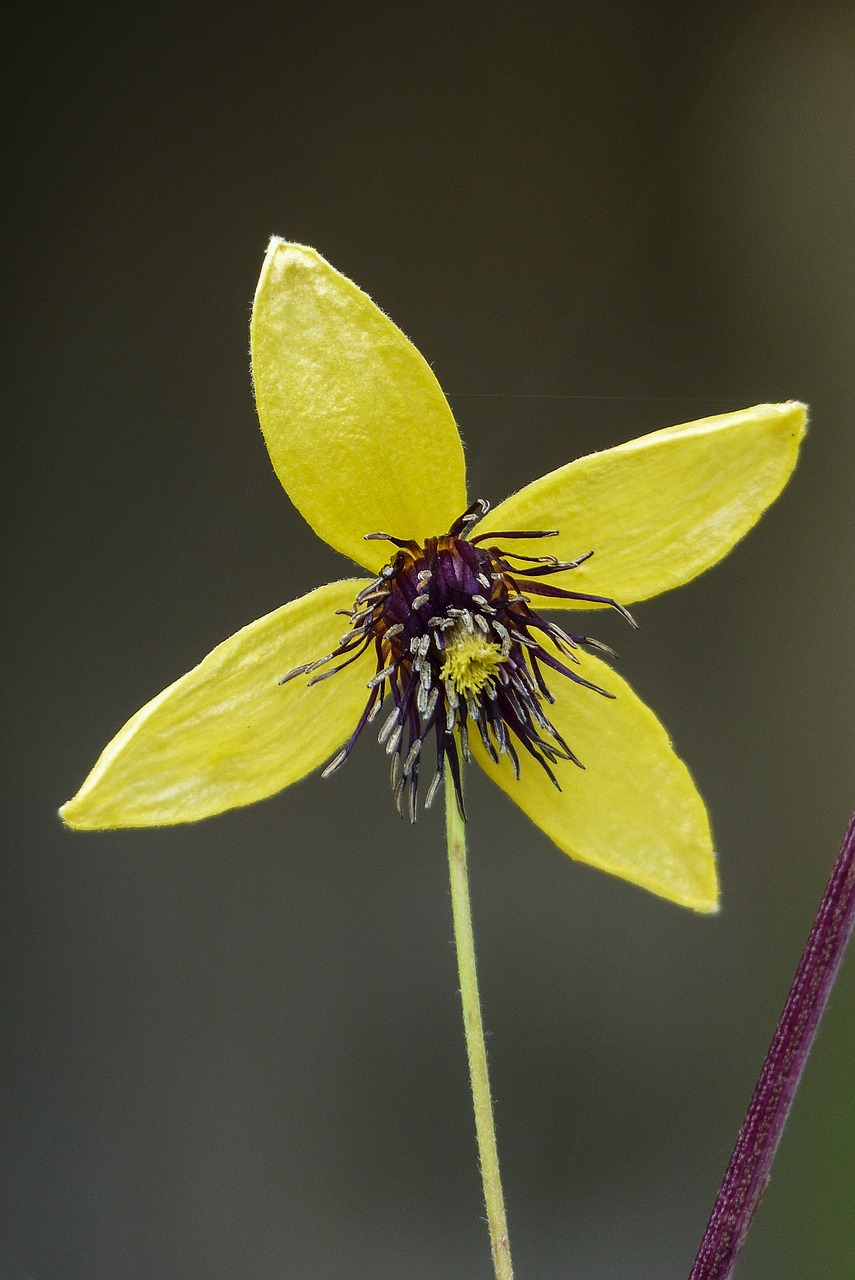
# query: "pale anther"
[[388, 725], [412, 756], [381, 675], [334, 764], [432, 789]]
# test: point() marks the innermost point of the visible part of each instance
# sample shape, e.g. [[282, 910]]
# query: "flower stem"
[[475, 1049], [749, 1169]]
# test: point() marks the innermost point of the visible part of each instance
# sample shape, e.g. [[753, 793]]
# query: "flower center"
[[471, 662], [459, 649]]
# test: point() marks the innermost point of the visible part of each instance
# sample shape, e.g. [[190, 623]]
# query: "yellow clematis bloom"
[[363, 440]]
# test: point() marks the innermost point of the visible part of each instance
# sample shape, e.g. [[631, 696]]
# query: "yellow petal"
[[661, 509], [228, 733], [357, 427], [634, 809]]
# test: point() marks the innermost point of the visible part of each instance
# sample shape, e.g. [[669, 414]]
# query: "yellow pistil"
[[471, 661]]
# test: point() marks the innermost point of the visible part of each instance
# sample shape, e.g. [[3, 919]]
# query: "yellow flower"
[[363, 440]]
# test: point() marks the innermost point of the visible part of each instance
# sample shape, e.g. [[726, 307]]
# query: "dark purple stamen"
[[433, 600], [749, 1169]]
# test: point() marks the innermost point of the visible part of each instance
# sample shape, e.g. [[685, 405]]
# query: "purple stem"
[[748, 1172]]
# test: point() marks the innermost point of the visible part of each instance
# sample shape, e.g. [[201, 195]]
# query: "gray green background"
[[233, 1051]]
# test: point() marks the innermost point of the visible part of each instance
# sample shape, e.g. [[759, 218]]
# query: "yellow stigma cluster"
[[471, 661]]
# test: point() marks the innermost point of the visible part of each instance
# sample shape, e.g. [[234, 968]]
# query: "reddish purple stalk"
[[748, 1171]]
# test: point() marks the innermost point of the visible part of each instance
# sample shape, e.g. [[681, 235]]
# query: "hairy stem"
[[475, 1048], [749, 1169]]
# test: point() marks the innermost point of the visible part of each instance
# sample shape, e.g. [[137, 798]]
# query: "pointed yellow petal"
[[357, 427], [634, 809], [228, 733], [661, 509]]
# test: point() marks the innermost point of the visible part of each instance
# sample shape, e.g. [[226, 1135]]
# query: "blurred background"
[[235, 1050]]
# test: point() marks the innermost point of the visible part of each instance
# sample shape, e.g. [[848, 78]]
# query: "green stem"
[[475, 1049]]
